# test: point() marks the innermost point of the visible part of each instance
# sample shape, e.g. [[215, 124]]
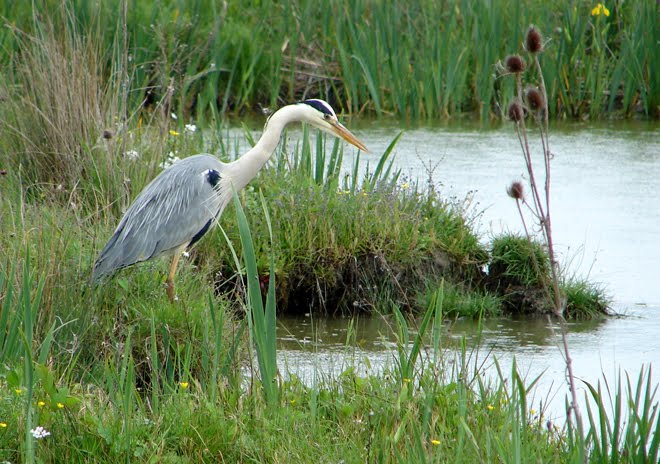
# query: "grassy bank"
[[419, 60], [179, 383]]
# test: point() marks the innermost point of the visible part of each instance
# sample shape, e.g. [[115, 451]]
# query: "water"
[[606, 214]]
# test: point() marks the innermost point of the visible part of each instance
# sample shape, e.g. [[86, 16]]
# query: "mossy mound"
[[519, 272]]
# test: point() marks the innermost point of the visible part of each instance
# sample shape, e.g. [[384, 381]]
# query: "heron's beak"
[[340, 131]]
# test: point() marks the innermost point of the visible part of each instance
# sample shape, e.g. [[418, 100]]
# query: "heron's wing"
[[173, 211]]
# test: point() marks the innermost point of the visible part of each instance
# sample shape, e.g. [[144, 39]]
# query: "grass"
[[519, 274], [413, 60], [425, 408]]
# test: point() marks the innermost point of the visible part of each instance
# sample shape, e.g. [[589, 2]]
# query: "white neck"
[[245, 168]]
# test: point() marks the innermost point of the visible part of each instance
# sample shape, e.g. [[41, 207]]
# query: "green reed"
[[261, 318], [624, 421], [419, 60]]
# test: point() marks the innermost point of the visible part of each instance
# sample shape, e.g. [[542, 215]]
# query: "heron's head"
[[321, 115]]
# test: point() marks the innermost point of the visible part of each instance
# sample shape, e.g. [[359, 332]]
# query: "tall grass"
[[261, 318], [419, 60], [624, 422]]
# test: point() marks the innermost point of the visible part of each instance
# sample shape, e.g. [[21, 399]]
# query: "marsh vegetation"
[[98, 97]]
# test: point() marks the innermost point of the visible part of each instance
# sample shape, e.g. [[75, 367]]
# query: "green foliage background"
[[421, 59]]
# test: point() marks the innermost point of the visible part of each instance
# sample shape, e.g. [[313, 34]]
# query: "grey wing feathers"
[[167, 215]]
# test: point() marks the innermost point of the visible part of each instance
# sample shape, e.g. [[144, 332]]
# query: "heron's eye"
[[326, 116]]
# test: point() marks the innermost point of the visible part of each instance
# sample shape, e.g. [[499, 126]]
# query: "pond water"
[[606, 216]]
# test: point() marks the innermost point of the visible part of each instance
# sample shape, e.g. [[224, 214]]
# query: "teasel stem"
[[547, 155], [524, 144]]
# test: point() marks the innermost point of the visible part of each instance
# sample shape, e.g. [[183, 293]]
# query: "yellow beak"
[[340, 131]]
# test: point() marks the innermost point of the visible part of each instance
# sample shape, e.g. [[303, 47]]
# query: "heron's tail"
[[101, 271], [108, 261]]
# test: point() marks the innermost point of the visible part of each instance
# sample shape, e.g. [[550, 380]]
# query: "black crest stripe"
[[320, 106]]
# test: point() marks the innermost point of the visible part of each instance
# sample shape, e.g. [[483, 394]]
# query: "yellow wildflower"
[[3, 425], [18, 390], [600, 9], [435, 442], [407, 380], [60, 405], [490, 407], [41, 404], [532, 411], [173, 132], [184, 385]]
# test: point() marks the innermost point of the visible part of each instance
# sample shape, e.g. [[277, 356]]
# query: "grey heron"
[[182, 203]]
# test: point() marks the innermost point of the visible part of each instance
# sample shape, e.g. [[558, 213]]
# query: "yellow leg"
[[170, 277]]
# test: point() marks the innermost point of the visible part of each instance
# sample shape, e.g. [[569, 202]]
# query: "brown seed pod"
[[534, 99], [515, 112], [514, 64], [534, 40], [516, 190]]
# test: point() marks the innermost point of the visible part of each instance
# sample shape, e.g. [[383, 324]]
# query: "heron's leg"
[[170, 277]]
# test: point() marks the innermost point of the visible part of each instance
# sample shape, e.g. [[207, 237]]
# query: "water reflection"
[[372, 333], [314, 349]]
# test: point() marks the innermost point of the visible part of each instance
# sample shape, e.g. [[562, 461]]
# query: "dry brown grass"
[[57, 105]]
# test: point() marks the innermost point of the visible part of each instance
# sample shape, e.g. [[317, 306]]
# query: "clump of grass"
[[620, 434], [56, 113], [459, 301], [585, 300], [519, 262], [519, 272], [352, 245]]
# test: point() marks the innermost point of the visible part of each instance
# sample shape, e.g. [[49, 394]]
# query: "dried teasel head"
[[534, 99], [515, 112], [516, 190], [514, 64], [533, 40]]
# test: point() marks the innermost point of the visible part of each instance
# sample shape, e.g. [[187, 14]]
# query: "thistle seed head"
[[534, 40], [515, 112], [516, 190], [534, 98], [514, 64]]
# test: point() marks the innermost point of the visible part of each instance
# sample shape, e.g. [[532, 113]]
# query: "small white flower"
[[39, 432], [186, 254], [190, 128], [132, 154], [171, 159], [174, 116]]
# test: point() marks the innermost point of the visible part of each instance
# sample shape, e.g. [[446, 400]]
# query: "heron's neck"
[[247, 166]]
